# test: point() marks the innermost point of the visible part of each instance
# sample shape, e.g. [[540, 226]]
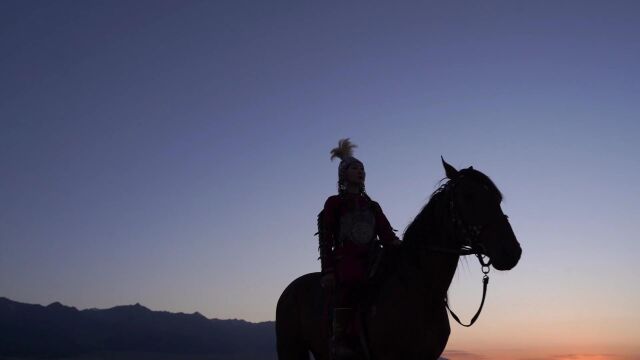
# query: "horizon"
[[126, 305], [176, 154]]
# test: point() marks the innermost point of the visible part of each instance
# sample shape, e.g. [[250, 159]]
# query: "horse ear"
[[451, 172]]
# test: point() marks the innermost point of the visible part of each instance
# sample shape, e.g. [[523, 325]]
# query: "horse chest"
[[410, 325]]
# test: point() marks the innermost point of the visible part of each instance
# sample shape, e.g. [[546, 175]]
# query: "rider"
[[349, 224]]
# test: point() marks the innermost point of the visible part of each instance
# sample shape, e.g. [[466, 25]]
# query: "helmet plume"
[[344, 149]]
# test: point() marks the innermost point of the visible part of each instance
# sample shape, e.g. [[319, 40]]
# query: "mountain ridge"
[[59, 304], [57, 330]]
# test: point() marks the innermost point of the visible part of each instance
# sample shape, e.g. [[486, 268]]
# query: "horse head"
[[477, 220]]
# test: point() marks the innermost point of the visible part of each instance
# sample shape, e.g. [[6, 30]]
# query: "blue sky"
[[176, 153]]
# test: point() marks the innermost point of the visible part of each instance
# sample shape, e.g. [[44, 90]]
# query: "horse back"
[[302, 317]]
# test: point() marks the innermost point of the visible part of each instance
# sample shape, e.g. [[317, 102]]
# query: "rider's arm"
[[383, 227], [326, 236]]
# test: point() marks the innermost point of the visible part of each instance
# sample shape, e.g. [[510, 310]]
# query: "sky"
[[176, 153]]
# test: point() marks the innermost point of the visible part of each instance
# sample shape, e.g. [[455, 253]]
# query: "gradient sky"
[[176, 153]]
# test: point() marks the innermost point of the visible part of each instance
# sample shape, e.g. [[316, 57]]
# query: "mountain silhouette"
[[57, 330]]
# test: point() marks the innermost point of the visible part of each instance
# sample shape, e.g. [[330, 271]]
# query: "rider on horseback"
[[348, 227]]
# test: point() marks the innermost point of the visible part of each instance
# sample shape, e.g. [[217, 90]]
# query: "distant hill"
[[127, 332]]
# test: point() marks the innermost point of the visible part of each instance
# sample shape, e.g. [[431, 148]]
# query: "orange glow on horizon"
[[530, 355], [586, 357]]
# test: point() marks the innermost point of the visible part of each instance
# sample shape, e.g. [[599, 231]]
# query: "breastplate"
[[357, 226]]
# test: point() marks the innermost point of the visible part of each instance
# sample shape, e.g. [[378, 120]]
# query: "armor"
[[347, 228], [357, 226]]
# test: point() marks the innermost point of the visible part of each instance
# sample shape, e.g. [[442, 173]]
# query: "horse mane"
[[422, 227]]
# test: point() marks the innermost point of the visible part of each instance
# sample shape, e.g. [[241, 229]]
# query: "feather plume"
[[344, 149]]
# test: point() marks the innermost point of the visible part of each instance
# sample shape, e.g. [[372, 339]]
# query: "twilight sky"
[[176, 153]]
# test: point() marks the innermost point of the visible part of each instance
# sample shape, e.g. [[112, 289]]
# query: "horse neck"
[[426, 270]]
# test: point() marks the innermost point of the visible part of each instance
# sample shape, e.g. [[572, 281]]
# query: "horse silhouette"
[[404, 313]]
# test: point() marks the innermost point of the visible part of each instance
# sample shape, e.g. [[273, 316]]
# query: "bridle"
[[468, 235]]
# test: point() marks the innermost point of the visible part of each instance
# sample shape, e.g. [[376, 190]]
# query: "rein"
[[485, 278], [485, 282]]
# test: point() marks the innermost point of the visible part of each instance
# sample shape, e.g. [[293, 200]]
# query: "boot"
[[342, 348]]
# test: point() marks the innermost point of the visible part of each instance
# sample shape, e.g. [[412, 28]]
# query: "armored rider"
[[348, 227]]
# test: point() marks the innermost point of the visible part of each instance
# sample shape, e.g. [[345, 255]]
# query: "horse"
[[406, 316]]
